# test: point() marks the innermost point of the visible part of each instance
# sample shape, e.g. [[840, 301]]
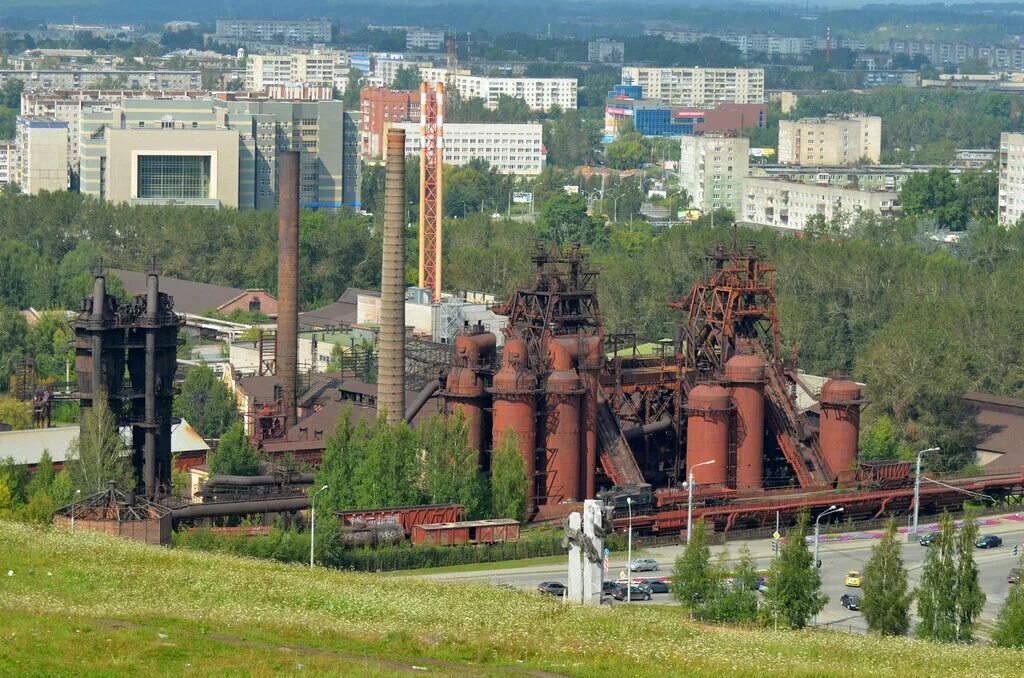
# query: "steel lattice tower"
[[431, 194]]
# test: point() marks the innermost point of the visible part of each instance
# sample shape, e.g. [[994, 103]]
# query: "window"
[[174, 176]]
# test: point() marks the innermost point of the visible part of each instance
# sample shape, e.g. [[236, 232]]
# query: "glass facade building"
[[172, 177]]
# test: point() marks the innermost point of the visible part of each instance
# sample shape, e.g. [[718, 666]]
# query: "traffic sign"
[[776, 535]]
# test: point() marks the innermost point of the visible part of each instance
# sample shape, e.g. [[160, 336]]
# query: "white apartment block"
[[42, 155], [274, 31], [605, 51], [698, 86], [56, 80], [540, 94], [424, 39], [712, 169], [511, 149], [789, 204], [1011, 178], [8, 162], [324, 69], [830, 141]]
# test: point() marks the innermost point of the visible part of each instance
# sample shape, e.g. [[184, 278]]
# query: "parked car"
[[636, 592], [928, 539], [644, 565], [1014, 576], [853, 578], [763, 586], [850, 601], [988, 541], [552, 588], [657, 586], [608, 588]]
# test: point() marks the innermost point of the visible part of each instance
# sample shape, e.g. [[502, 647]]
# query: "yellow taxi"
[[853, 578]]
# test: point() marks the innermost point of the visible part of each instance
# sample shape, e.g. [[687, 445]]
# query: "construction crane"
[[431, 189]]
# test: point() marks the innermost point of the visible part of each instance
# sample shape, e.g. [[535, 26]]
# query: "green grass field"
[[86, 604]]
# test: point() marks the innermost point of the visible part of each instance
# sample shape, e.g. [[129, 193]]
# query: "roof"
[[26, 447], [189, 296], [1000, 430], [341, 312]]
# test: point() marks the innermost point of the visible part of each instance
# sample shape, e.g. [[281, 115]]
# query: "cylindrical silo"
[[471, 349], [745, 376], [562, 389], [707, 434], [590, 362], [839, 430], [514, 391], [465, 392]]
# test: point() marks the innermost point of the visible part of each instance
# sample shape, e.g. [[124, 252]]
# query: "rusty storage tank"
[[466, 392], [745, 376], [591, 358], [471, 349], [514, 391], [562, 389], [707, 433], [839, 430]]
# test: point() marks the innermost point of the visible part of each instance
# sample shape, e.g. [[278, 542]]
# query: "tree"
[[509, 484], [234, 455], [1009, 631], [886, 603], [626, 152], [950, 598], [352, 89], [44, 476], [407, 78], [451, 472], [882, 440], [794, 583], [734, 599], [16, 413], [13, 336], [389, 472], [341, 459], [98, 455], [563, 218], [206, 402], [693, 580]]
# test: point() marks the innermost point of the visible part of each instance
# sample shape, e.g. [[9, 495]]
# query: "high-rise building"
[[379, 108], [428, 39], [830, 141], [712, 168], [790, 205], [509, 148], [698, 86], [42, 152], [1011, 178], [605, 51], [57, 80], [321, 69], [259, 30], [540, 94], [8, 162]]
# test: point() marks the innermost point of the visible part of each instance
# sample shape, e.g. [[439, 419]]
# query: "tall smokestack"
[[391, 375], [288, 279]]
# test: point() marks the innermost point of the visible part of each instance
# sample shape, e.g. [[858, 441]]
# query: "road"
[[837, 558]]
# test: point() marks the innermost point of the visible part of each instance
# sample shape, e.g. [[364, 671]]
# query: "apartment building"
[[783, 204], [605, 51], [1011, 178], [830, 141], [955, 53], [318, 69], [214, 152], [712, 168], [509, 148], [865, 177], [763, 43], [424, 39], [379, 108], [42, 155], [8, 162], [698, 86], [259, 30], [540, 94], [63, 80]]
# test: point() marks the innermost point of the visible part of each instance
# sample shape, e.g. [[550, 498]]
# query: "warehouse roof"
[[189, 296]]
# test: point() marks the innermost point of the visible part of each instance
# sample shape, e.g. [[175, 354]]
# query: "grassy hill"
[[86, 604]]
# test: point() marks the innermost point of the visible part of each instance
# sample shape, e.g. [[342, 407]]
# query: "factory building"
[[42, 155], [712, 169], [789, 205], [698, 86], [509, 148], [847, 140]]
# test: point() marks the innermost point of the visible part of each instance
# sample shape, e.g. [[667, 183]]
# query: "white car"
[[644, 565]]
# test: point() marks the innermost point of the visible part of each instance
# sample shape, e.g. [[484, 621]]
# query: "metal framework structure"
[[431, 187]]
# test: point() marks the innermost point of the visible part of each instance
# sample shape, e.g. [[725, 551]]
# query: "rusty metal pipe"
[[288, 280], [421, 400], [240, 508]]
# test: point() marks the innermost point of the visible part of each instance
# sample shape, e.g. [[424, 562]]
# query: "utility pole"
[[917, 484]]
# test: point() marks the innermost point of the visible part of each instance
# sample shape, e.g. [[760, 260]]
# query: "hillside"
[[86, 604]]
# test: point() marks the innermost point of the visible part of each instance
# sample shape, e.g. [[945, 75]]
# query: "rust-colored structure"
[[287, 351], [431, 187], [745, 376], [391, 373], [562, 433], [839, 430], [494, 531], [515, 410], [707, 434]]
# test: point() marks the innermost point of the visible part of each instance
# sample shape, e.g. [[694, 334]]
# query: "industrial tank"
[[471, 349], [562, 389], [590, 362], [514, 391], [745, 375], [707, 433], [840, 401], [465, 391]]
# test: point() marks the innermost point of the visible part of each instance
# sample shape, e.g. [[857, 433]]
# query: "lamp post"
[[629, 551], [615, 208], [917, 483], [312, 523], [689, 498], [74, 505], [817, 522]]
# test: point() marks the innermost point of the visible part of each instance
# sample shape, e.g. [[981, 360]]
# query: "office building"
[[651, 117], [789, 205], [317, 69], [285, 32], [605, 51], [830, 141], [424, 39], [698, 86], [217, 152], [42, 155], [712, 168], [379, 108], [1011, 178], [8, 162], [509, 148], [58, 80]]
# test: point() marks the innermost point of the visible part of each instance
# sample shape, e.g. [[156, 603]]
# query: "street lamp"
[[831, 509], [74, 502], [615, 208], [917, 483], [629, 551], [689, 498], [312, 523]]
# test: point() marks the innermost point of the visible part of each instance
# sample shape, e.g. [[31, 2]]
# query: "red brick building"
[[379, 108]]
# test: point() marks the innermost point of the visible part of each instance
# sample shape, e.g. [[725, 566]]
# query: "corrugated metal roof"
[[26, 447]]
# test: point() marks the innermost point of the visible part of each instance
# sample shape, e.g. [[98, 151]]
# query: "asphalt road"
[[837, 558]]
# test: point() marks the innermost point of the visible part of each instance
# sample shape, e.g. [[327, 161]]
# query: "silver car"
[[644, 565]]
